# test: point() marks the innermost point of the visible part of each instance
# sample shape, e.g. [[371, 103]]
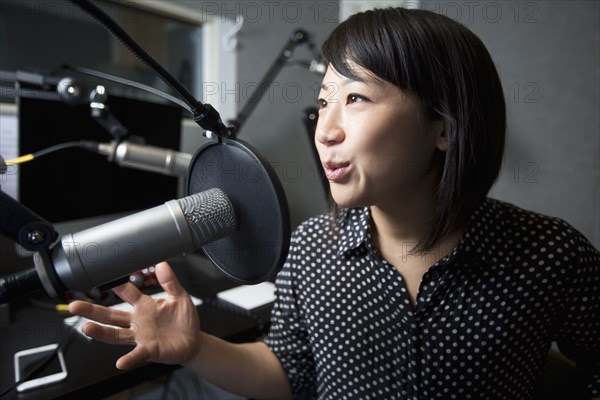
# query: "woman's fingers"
[[167, 279], [128, 293], [109, 334], [104, 315], [135, 357]]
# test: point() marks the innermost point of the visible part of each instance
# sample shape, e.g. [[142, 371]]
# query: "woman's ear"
[[441, 139]]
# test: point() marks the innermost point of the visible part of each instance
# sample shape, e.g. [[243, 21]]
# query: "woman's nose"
[[329, 130]]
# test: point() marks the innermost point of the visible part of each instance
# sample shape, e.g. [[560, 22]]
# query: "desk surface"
[[91, 365]]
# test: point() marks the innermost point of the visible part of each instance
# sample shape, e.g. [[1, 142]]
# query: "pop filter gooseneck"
[[204, 114], [259, 246]]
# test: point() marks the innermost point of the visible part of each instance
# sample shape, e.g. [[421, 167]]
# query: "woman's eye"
[[353, 98], [322, 103]]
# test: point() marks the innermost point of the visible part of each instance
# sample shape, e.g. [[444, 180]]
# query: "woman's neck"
[[402, 227], [406, 223]]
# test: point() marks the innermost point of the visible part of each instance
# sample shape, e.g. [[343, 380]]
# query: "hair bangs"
[[358, 42]]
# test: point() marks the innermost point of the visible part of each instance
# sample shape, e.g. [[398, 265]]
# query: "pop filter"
[[258, 248]]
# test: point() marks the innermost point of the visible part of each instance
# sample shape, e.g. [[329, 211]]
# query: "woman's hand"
[[165, 330]]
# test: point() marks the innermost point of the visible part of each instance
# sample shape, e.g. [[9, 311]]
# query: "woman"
[[417, 285]]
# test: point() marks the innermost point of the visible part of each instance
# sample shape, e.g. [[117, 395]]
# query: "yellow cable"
[[62, 307], [21, 159]]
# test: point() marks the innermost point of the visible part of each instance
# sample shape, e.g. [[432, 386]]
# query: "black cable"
[[128, 82], [85, 144], [136, 50], [204, 114]]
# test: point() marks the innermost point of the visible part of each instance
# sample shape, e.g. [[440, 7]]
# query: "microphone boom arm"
[[296, 38], [204, 114]]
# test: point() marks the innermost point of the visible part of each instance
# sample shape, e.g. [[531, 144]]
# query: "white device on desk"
[[249, 297], [26, 361]]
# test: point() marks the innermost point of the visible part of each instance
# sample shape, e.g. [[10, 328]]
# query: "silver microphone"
[[105, 253], [147, 158]]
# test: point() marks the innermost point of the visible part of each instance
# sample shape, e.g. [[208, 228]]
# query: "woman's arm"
[[249, 369], [578, 334]]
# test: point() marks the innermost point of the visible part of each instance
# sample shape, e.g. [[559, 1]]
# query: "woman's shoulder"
[[518, 218], [527, 228]]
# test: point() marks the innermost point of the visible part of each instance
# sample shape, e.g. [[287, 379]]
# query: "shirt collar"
[[354, 229], [479, 231]]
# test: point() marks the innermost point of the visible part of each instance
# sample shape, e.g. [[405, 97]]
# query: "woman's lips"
[[335, 172]]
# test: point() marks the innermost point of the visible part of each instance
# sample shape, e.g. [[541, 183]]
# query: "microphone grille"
[[209, 214], [181, 163]]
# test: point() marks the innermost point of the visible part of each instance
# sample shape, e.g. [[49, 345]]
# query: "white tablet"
[[26, 361]]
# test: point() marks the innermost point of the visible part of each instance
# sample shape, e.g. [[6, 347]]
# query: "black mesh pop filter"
[[258, 248]]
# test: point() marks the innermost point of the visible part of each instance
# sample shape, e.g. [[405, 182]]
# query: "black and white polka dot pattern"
[[483, 322]]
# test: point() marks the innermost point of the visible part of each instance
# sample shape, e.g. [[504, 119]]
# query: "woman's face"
[[374, 148]]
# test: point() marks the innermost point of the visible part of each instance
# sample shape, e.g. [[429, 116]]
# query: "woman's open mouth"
[[335, 171]]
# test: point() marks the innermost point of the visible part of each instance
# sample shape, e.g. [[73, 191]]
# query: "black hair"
[[450, 72]]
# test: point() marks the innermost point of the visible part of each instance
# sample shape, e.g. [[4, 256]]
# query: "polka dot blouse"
[[482, 325]]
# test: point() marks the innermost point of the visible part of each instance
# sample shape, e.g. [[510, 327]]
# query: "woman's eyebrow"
[[346, 81]]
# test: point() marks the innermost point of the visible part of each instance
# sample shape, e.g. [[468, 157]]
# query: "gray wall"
[[547, 56], [276, 126]]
